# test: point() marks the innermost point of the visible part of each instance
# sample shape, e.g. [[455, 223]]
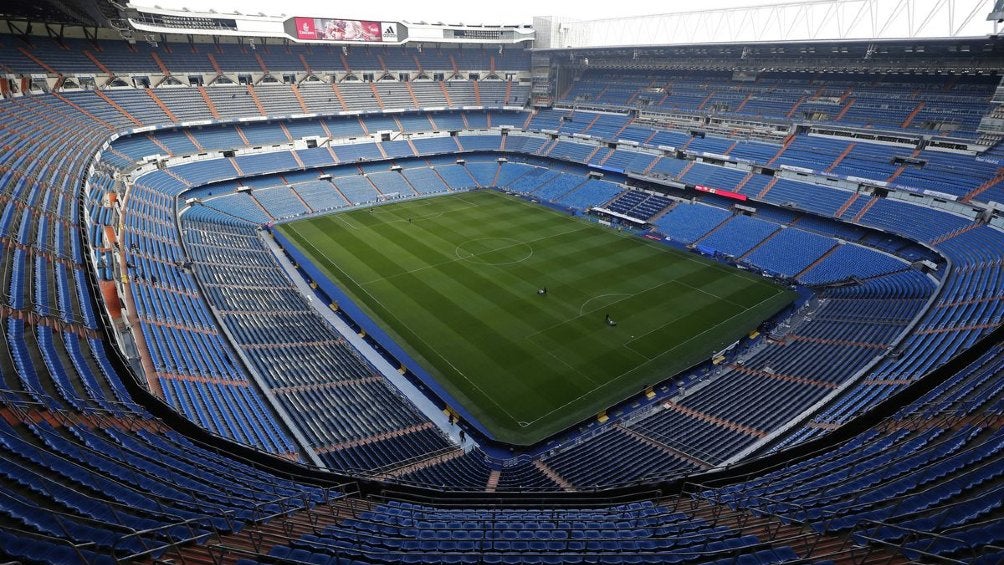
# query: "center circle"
[[494, 251]]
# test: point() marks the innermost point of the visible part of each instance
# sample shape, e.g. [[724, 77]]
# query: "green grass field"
[[454, 279]]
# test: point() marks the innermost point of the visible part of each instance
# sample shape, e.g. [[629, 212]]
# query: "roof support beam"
[[808, 20]]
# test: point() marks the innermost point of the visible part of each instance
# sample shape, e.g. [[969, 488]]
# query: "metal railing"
[[823, 518]]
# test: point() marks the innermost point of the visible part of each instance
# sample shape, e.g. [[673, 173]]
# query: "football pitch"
[[456, 281]]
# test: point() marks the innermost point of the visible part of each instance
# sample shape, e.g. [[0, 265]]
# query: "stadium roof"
[[814, 20], [90, 13], [807, 20]]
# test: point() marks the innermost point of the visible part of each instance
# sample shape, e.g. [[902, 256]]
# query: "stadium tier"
[[229, 268], [861, 101]]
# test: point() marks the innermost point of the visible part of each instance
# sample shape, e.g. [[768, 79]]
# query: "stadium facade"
[[184, 381]]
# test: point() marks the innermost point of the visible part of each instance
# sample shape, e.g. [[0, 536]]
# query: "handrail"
[[160, 532], [703, 549], [912, 534], [13, 399], [720, 505], [259, 515], [495, 520], [851, 473], [518, 500], [68, 416], [824, 445], [156, 499], [9, 398], [384, 472], [328, 494], [77, 548], [798, 512], [262, 512]]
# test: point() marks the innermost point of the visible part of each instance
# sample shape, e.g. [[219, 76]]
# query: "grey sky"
[[471, 12]]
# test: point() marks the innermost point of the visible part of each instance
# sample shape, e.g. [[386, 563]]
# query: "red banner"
[[720, 192], [338, 30], [305, 28]]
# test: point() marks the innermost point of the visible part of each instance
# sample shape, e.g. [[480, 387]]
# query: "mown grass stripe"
[[457, 288]]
